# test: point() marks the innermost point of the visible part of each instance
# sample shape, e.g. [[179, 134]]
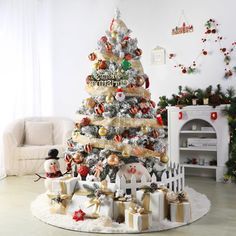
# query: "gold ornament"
[[90, 103], [113, 160], [114, 34], [125, 153], [139, 81], [95, 66], [102, 131], [109, 98], [78, 158], [164, 159], [144, 129]]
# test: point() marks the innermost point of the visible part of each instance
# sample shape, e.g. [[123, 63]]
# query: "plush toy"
[[137, 169], [51, 168]]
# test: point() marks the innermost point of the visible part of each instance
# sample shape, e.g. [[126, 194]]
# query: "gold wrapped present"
[[137, 219]]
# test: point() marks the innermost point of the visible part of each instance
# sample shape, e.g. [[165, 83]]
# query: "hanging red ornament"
[[126, 38], [147, 83], [128, 57], [85, 121], [184, 71], [118, 138], [103, 39], [88, 148], [83, 170], [214, 115], [89, 79], [92, 56], [204, 52], [134, 110], [159, 119], [138, 52], [102, 65], [180, 115], [99, 109]]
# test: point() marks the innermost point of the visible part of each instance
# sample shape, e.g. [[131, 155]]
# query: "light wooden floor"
[[16, 194]]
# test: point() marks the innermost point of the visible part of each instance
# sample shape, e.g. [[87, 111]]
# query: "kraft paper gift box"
[[119, 207], [59, 203], [155, 202], [64, 185], [138, 221], [180, 212]]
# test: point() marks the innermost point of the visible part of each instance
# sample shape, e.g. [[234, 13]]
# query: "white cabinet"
[[198, 138]]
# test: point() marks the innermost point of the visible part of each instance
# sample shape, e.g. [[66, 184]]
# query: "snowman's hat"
[[52, 154]]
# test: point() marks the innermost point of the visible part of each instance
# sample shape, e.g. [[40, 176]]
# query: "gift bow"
[[136, 209], [59, 198], [178, 197]]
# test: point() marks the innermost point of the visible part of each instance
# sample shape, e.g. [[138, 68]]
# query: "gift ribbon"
[[94, 201], [120, 121], [146, 201], [180, 212], [102, 90], [112, 145], [143, 215]]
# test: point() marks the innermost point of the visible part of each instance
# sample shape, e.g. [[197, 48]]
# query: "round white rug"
[[199, 202]]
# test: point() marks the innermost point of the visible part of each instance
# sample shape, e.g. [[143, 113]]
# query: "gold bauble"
[[109, 98], [113, 160], [102, 131], [125, 153], [114, 34], [78, 158], [144, 129], [95, 66], [164, 159], [90, 103], [139, 81]]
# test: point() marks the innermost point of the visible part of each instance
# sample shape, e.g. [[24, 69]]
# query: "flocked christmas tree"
[[118, 130]]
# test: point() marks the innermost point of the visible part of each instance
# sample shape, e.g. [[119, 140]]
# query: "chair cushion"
[[38, 133]]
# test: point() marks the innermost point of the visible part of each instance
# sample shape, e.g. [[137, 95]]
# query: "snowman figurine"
[[137, 169], [52, 168], [120, 96]]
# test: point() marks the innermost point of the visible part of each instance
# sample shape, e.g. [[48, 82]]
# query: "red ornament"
[[184, 71], [83, 170], [204, 52], [153, 104], [125, 134], [108, 47], [102, 65], [68, 160], [155, 134], [99, 109], [147, 83], [103, 39], [118, 138], [92, 56], [134, 110], [88, 148], [214, 115], [159, 119], [128, 57], [89, 79], [126, 38], [79, 215], [85, 121], [180, 115], [138, 52]]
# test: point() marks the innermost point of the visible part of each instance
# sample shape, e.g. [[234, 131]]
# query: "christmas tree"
[[118, 130]]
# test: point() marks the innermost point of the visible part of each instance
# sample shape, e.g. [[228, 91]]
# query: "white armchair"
[[27, 142]]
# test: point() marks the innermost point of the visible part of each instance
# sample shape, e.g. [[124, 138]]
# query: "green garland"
[[216, 98]]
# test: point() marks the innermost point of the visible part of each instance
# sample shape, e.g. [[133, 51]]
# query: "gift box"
[[138, 221], [155, 202], [94, 200], [119, 207], [59, 203], [180, 212], [64, 184]]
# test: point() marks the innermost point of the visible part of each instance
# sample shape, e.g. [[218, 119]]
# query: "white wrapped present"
[[64, 184], [155, 202], [180, 212], [136, 220], [95, 200]]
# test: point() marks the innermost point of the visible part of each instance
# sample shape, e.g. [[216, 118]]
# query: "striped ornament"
[[118, 138], [88, 148], [99, 109]]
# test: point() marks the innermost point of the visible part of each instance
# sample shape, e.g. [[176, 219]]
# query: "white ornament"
[[120, 96]]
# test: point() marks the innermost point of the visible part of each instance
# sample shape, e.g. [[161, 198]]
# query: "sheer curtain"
[[25, 86]]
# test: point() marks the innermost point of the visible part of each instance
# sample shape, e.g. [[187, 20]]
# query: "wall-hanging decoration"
[[211, 34], [158, 56], [183, 26]]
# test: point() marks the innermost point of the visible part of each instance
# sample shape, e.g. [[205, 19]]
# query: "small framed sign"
[[158, 56]]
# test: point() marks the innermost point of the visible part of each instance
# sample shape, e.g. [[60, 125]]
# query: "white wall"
[[78, 24]]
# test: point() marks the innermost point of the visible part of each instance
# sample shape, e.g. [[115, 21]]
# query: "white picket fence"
[[172, 178]]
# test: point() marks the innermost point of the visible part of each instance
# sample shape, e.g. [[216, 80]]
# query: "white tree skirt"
[[40, 208]]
